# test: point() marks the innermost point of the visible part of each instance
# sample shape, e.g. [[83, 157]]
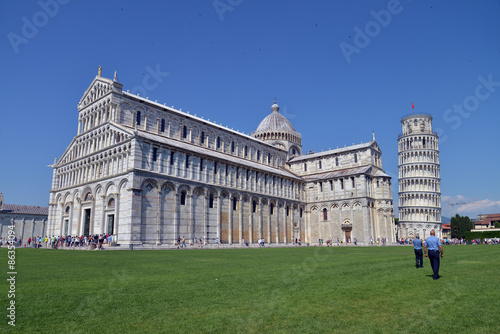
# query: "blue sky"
[[338, 69]]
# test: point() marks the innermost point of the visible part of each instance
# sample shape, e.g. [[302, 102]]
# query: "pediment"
[[73, 153], [375, 146], [98, 88]]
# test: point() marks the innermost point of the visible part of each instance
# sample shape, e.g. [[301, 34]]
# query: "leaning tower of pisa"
[[419, 179]]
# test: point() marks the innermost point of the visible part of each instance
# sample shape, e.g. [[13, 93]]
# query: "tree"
[[459, 225]]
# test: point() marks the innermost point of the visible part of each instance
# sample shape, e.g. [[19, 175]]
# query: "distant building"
[[419, 178], [29, 221], [446, 231], [486, 221], [148, 173]]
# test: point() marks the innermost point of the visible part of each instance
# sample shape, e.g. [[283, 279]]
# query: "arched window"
[[211, 201], [246, 151], [138, 118], [184, 132], [183, 198], [271, 209], [325, 214], [162, 126], [67, 209], [218, 142], [337, 161], [254, 206], [232, 147], [355, 157], [155, 153], [235, 202], [202, 137], [258, 155], [111, 203]]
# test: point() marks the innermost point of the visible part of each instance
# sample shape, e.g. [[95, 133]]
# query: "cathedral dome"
[[275, 121]]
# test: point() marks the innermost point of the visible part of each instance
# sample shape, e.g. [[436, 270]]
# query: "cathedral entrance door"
[[347, 229], [111, 224], [86, 226], [347, 236], [66, 225]]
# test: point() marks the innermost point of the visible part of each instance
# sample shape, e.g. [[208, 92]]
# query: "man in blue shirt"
[[419, 256], [433, 248]]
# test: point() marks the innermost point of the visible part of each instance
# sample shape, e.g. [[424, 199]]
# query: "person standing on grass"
[[419, 256], [433, 248], [183, 242]]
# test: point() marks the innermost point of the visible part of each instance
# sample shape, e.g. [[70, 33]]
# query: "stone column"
[[260, 219], [277, 223], [117, 213], [32, 228], [206, 208], [79, 217], [191, 218], [158, 201], [61, 220], [240, 224], [268, 237], [250, 221], [176, 217], [92, 214], [103, 220], [22, 229], [230, 218], [219, 215], [285, 221], [307, 226]]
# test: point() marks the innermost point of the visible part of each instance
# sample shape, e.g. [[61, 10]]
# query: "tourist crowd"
[[455, 241], [95, 241]]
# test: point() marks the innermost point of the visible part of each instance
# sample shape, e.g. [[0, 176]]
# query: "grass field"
[[274, 290]]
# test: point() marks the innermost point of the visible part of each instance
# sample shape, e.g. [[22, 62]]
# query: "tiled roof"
[[338, 173], [330, 152], [217, 155], [25, 209], [380, 173], [194, 117]]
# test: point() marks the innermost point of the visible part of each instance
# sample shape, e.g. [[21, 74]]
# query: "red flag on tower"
[[412, 106]]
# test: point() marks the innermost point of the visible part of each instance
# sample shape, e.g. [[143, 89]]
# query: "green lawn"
[[279, 290]]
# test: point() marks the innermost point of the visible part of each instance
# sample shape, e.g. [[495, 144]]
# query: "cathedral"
[[147, 173]]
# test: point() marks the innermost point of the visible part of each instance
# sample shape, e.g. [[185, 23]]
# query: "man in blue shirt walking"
[[419, 255], [433, 248]]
